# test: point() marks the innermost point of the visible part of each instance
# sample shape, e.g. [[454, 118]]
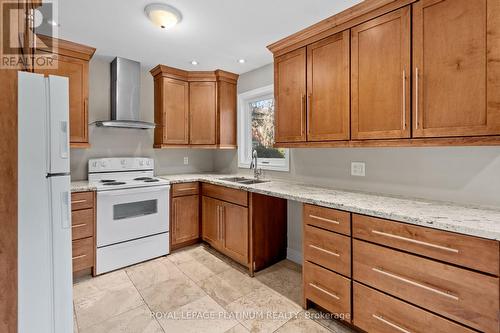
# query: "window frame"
[[245, 133]]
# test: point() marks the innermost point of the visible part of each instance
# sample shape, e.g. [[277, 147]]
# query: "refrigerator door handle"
[[64, 139], [65, 210]]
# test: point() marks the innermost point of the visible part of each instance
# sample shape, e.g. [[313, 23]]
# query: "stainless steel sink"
[[244, 180], [253, 181], [235, 179]]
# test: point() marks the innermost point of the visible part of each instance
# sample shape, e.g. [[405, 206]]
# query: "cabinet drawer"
[[328, 290], [82, 223], [376, 312], [327, 218], [231, 195], [471, 252], [83, 254], [467, 297], [328, 249], [82, 200], [185, 189]]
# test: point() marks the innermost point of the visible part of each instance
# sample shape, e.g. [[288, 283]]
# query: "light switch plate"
[[358, 169], [186, 160]]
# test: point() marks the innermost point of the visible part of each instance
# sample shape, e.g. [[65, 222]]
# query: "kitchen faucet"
[[256, 171]]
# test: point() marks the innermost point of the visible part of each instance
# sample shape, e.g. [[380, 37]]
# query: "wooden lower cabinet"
[[328, 249], [83, 224], [459, 294], [405, 278], [247, 227], [225, 227], [185, 220], [210, 221], [329, 290], [376, 312], [234, 223]]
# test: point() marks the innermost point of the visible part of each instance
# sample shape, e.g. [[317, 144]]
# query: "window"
[[256, 131]]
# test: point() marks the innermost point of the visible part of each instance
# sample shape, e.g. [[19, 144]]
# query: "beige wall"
[[469, 175], [111, 142]]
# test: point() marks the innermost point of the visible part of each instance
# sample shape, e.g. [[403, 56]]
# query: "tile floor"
[[195, 290]]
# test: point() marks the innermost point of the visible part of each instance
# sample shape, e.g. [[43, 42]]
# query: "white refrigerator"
[[45, 302]]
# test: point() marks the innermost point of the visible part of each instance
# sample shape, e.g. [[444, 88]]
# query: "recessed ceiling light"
[[194, 62], [242, 61], [162, 15]]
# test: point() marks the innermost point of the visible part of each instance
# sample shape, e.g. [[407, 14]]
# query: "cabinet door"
[[175, 111], [328, 89], [380, 85], [185, 219], [457, 69], [202, 108], [211, 221], [227, 114], [235, 232], [77, 72], [290, 96]]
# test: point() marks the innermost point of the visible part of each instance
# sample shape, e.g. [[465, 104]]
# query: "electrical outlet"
[[186, 160], [358, 169]]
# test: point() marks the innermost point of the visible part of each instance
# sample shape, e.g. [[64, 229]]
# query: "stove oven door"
[[128, 214]]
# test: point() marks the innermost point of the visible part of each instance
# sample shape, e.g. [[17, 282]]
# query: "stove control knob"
[[141, 162], [123, 162], [94, 164], [148, 162], [104, 164]]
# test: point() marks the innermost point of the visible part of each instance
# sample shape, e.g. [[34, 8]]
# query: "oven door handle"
[[115, 193]]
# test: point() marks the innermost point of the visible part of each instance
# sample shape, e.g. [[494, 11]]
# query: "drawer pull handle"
[[449, 249], [323, 219], [79, 257], [324, 291], [79, 225], [324, 250], [416, 284], [78, 201], [186, 189], [399, 328]]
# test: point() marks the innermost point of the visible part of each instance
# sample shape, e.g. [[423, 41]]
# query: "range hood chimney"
[[125, 96]]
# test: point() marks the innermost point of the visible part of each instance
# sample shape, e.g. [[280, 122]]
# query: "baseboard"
[[294, 255]]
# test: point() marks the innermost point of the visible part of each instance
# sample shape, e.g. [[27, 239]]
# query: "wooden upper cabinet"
[[456, 57], [195, 109], [226, 95], [328, 89], [290, 95], [172, 111], [73, 63], [203, 112], [380, 70]]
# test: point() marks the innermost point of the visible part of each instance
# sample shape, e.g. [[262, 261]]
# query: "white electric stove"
[[132, 212]]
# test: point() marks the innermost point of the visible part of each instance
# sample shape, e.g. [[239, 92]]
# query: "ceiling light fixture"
[[242, 61], [194, 62], [163, 15]]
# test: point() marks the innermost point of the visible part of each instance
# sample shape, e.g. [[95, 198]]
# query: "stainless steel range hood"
[[125, 96]]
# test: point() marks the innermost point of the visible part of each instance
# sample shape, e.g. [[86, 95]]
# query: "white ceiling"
[[216, 33]]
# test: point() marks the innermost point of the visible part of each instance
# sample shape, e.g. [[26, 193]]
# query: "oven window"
[[135, 209]]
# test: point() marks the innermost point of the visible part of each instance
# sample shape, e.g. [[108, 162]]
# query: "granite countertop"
[[82, 186], [470, 220]]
